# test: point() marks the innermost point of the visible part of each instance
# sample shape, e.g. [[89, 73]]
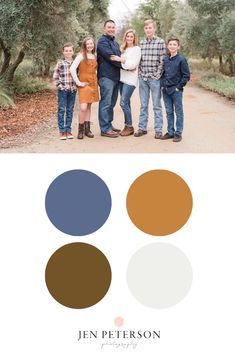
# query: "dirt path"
[[209, 127]]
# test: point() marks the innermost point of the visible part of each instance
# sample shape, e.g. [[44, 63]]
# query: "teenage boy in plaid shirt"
[[153, 51], [66, 92]]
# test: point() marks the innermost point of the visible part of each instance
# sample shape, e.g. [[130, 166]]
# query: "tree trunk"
[[231, 66], [6, 60], [11, 71], [221, 65], [46, 71]]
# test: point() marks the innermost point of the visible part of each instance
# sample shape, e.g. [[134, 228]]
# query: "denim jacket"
[[176, 73], [106, 47]]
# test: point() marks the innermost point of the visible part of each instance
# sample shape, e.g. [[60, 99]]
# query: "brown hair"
[[83, 47], [124, 44], [148, 22], [171, 39], [68, 45], [107, 21]]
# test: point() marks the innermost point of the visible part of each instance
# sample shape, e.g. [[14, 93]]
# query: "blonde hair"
[[83, 47], [148, 22], [124, 44]]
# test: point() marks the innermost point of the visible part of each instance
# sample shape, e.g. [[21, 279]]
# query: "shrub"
[[5, 98], [25, 84]]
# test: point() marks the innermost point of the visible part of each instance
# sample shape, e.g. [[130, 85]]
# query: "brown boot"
[[80, 131], [128, 130], [88, 132]]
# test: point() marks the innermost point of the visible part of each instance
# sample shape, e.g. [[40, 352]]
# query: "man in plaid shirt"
[[153, 51], [66, 92]]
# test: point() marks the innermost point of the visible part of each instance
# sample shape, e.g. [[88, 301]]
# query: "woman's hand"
[[117, 58], [83, 84]]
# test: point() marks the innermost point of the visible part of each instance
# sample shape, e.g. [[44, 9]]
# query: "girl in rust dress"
[[83, 71]]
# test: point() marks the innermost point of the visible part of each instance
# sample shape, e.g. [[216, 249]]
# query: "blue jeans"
[[125, 102], [109, 95], [174, 102], [145, 87], [66, 100]]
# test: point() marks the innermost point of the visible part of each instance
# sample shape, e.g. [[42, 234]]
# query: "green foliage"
[[39, 28], [226, 34], [213, 8], [24, 84], [220, 84]]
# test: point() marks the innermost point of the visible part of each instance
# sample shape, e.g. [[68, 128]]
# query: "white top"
[[132, 56], [75, 64]]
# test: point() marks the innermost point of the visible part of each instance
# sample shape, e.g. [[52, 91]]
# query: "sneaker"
[[167, 136], [177, 138], [158, 135], [140, 133], [69, 135], [63, 136]]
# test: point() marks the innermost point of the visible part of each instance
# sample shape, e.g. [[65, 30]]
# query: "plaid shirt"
[[62, 76], [153, 52]]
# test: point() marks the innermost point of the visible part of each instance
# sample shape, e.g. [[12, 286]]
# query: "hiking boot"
[[177, 138], [88, 132], [80, 131], [127, 131], [140, 132], [167, 136]]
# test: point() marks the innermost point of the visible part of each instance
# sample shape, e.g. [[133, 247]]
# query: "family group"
[[119, 69]]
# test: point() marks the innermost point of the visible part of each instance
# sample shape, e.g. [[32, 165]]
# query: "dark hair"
[[68, 45], [107, 21], [171, 39]]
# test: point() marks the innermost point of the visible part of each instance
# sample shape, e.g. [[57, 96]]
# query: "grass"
[[5, 97], [200, 65], [218, 83]]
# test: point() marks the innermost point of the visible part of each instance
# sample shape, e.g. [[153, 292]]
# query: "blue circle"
[[78, 202]]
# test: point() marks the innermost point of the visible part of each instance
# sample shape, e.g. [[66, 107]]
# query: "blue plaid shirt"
[[153, 52]]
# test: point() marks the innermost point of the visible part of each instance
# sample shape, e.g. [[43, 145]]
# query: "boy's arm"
[[56, 75], [185, 74], [105, 51], [162, 54]]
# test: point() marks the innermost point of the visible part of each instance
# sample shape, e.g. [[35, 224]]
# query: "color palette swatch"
[[159, 202], [78, 202], [78, 275]]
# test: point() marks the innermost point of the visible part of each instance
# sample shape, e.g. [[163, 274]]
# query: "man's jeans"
[[66, 100], [125, 103], [145, 87], [174, 102], [109, 95]]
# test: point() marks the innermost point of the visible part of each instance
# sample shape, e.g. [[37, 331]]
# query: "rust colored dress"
[[87, 73]]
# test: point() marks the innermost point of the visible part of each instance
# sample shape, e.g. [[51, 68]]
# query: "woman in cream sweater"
[[130, 58]]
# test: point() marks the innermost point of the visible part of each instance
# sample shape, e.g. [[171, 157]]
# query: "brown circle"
[[78, 275], [159, 202]]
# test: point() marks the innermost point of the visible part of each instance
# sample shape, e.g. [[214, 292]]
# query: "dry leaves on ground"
[[31, 109]]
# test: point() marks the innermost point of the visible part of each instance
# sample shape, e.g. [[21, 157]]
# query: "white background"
[[32, 321]]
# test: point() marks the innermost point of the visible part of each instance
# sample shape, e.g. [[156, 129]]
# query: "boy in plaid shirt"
[[153, 50], [66, 92]]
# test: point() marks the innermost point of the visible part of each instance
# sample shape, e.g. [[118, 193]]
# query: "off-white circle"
[[159, 275]]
